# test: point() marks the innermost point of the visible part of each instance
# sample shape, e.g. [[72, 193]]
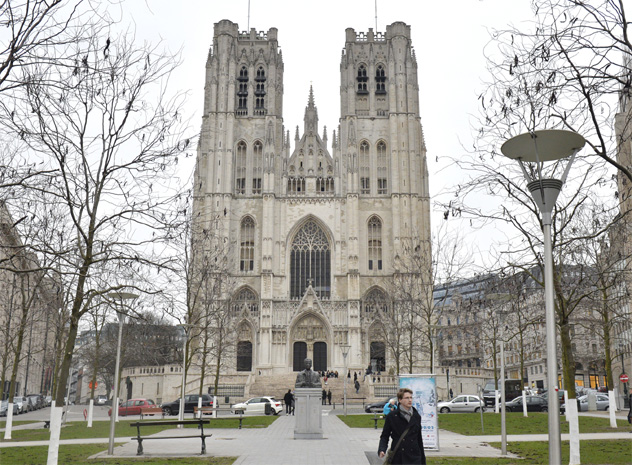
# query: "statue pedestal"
[[309, 420]]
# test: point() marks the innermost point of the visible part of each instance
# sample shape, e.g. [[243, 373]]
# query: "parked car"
[[378, 407], [48, 400], [534, 404], [258, 405], [463, 403], [190, 402], [603, 403], [101, 400], [4, 406], [37, 400], [23, 404], [560, 395], [133, 406]]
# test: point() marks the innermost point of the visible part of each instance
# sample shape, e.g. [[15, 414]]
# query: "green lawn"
[[101, 429], [612, 452], [470, 424], [78, 455]]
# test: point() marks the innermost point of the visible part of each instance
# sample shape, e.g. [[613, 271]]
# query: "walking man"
[[324, 399], [357, 386], [403, 427], [329, 396], [288, 398]]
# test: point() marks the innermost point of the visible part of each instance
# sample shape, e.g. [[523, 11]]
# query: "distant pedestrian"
[[288, 398], [329, 396], [451, 393], [348, 374], [324, 399], [357, 386]]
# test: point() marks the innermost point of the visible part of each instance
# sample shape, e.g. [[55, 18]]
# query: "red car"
[[133, 406]]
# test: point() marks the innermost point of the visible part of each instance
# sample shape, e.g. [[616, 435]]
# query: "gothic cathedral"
[[315, 230]]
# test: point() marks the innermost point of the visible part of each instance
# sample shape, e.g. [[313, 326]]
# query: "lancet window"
[[380, 80], [240, 167], [375, 243], [257, 167], [362, 79], [247, 244], [310, 262], [365, 168], [242, 91]]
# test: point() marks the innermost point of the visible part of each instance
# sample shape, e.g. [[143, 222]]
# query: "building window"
[[375, 301], [247, 245], [242, 91], [382, 168], [257, 167], [380, 80], [375, 243], [260, 91], [365, 168], [310, 262], [240, 168], [246, 300], [382, 186], [296, 186], [362, 80]]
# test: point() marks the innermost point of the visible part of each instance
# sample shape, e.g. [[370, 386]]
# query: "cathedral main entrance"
[[309, 338]]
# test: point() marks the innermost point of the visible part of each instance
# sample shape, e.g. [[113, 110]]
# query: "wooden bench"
[[378, 416], [47, 424], [151, 411], [200, 423]]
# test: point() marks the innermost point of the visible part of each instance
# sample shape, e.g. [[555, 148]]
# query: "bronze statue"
[[308, 378]]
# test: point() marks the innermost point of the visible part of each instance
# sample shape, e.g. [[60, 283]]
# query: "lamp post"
[[345, 351], [120, 296], [539, 147]]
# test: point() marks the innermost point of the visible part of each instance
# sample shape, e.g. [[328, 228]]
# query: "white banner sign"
[[425, 401]]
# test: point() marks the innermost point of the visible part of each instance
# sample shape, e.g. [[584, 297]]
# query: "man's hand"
[[382, 454]]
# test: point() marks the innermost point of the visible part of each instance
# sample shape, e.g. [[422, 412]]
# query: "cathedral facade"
[[316, 225]]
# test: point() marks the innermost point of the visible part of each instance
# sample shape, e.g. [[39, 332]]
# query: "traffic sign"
[[623, 378]]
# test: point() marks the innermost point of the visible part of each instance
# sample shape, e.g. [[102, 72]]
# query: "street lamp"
[[345, 351], [120, 296], [539, 147]]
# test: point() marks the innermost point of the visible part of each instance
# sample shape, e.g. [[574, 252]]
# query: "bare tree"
[[565, 70], [110, 146]]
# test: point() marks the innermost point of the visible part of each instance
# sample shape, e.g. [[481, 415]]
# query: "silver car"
[[4, 406], [462, 403]]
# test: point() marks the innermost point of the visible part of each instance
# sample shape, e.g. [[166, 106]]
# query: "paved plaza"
[[276, 444]]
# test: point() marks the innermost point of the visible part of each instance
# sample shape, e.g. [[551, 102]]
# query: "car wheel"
[[545, 409], [444, 410], [477, 409], [239, 412], [168, 411]]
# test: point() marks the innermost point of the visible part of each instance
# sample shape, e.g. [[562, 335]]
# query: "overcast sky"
[[448, 38]]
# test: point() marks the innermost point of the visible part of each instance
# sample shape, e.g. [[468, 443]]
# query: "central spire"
[[311, 115]]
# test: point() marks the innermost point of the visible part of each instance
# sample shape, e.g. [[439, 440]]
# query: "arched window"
[[260, 91], [240, 168], [242, 91], [246, 299], [365, 168], [375, 243], [382, 168], [247, 245], [375, 301], [257, 163], [310, 262], [362, 80], [380, 80]]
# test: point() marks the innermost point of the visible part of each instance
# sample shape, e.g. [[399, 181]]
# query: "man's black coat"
[[411, 450]]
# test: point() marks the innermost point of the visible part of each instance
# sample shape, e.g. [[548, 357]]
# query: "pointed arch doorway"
[[310, 338]]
